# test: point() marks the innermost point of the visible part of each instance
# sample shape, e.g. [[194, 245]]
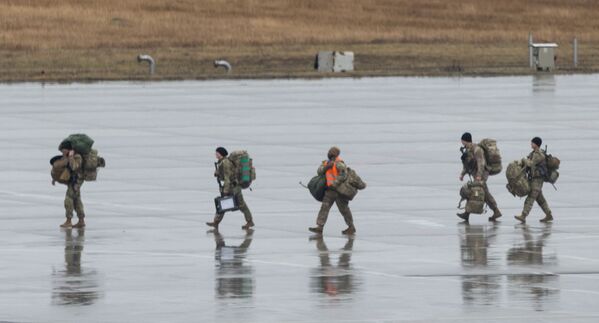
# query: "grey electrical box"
[[544, 56], [327, 61]]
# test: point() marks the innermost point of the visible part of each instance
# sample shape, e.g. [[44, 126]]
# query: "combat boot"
[[547, 218], [496, 215], [350, 230], [464, 216], [248, 225], [80, 224], [520, 218], [67, 224], [316, 229]]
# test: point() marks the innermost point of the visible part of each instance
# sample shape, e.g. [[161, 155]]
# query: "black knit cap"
[[467, 137], [537, 141], [222, 151]]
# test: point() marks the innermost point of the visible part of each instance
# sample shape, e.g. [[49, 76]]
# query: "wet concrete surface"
[[146, 255]]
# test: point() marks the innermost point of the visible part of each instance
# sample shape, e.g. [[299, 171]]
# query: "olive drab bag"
[[517, 180], [552, 163], [492, 155], [81, 143], [317, 187], [349, 188], [244, 168], [474, 195]]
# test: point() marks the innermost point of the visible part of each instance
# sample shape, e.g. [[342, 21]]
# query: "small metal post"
[[530, 59], [149, 60], [575, 51]]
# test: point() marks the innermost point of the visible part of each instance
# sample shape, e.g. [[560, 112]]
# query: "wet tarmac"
[[146, 255]]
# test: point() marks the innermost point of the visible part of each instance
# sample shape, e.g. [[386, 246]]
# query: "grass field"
[[89, 40]]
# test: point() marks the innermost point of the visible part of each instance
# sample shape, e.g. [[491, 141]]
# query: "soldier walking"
[[225, 172], [334, 169], [536, 167], [72, 202], [475, 164]]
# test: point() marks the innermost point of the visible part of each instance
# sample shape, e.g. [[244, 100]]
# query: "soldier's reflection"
[[234, 276], [333, 280], [479, 287], [74, 285], [530, 256]]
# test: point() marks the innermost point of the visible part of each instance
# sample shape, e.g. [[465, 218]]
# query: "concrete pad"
[[146, 256]]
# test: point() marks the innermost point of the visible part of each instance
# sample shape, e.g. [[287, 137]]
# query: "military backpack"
[[349, 188], [474, 195], [552, 164], [492, 156], [517, 180], [244, 168]]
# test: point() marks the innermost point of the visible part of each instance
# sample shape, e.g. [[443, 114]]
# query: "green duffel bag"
[[81, 143], [317, 186]]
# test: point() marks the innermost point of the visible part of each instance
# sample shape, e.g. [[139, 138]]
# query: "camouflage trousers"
[[331, 197], [242, 207], [536, 194], [72, 200], [489, 199]]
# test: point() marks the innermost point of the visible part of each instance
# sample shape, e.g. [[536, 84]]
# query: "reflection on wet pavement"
[[234, 275], [75, 285], [529, 255], [330, 279], [479, 287]]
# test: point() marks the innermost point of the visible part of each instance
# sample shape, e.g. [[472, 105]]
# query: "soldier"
[[475, 164], [537, 170], [72, 199], [225, 172], [335, 171]]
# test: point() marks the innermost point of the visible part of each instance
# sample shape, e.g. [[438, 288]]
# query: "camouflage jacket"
[[535, 163], [225, 172], [75, 164], [476, 165], [341, 169]]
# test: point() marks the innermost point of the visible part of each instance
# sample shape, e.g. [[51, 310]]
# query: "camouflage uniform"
[[478, 168], [225, 172], [72, 200], [332, 197], [537, 169]]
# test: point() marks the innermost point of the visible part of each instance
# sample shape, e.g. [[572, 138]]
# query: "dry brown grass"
[[99, 38]]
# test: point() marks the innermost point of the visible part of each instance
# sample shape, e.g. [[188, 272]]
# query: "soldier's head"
[[221, 153], [536, 143], [333, 152], [65, 147], [466, 139]]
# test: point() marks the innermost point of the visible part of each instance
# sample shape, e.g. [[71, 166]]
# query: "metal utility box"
[[544, 56], [327, 61]]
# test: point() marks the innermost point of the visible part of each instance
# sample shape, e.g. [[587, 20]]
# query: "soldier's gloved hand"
[[226, 193], [461, 178]]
